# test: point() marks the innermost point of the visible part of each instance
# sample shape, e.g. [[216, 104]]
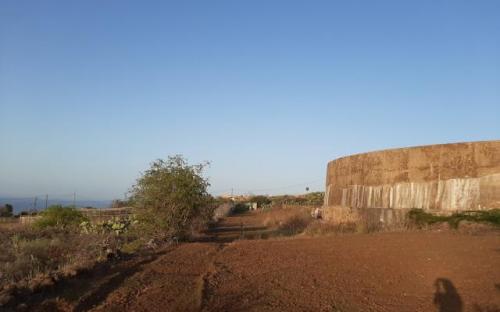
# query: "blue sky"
[[268, 91]]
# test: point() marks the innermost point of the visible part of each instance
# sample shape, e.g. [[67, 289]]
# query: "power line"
[[285, 187], [265, 189]]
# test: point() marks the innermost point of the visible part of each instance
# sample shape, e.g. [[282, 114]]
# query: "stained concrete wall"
[[447, 177]]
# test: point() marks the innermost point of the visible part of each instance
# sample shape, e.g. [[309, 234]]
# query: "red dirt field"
[[398, 271]]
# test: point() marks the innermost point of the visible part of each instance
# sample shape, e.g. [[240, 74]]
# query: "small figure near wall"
[[316, 214]]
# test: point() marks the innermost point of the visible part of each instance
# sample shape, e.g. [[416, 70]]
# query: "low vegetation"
[[319, 228], [170, 201], [293, 220], [288, 221], [59, 217], [33, 252], [294, 225], [309, 199], [6, 211], [421, 218]]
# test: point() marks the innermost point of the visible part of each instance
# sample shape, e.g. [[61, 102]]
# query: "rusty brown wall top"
[[420, 164], [417, 164]]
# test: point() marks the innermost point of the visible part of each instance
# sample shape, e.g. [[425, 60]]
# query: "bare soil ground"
[[399, 271]]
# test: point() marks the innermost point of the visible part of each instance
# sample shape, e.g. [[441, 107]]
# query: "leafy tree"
[[171, 195], [6, 210], [59, 217]]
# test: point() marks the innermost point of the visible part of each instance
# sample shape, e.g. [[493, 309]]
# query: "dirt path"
[[174, 282], [410, 271], [378, 272], [175, 279]]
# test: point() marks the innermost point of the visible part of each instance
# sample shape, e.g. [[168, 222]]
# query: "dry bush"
[[32, 257], [367, 220], [294, 225], [287, 221], [30, 252], [318, 228], [342, 220], [368, 225], [275, 217], [339, 214], [222, 210]]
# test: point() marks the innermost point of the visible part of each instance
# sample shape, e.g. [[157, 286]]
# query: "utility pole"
[[74, 199], [46, 200]]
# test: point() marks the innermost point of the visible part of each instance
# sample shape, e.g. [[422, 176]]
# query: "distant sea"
[[27, 204]]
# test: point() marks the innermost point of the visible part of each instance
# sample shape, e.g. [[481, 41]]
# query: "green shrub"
[[261, 200], [58, 216], [239, 208], [421, 218], [171, 196], [488, 216], [309, 199], [6, 210]]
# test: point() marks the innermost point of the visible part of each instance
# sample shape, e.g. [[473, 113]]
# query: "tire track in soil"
[[225, 233], [172, 283], [189, 266], [207, 284]]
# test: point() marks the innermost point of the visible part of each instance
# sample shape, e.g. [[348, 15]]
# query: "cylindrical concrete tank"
[[460, 176]]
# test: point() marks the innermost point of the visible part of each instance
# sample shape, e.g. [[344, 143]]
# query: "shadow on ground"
[[89, 289], [446, 297]]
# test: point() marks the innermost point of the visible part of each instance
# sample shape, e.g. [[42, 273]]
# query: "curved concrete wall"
[[461, 176]]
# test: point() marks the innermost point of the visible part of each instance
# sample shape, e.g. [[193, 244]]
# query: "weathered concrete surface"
[[460, 176]]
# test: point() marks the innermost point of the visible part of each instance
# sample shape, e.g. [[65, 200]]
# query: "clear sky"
[[268, 91]]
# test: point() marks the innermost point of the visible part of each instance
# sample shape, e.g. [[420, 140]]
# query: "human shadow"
[[446, 297]]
